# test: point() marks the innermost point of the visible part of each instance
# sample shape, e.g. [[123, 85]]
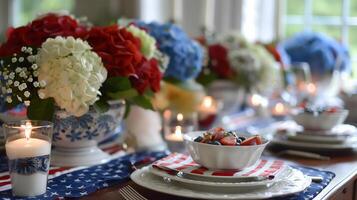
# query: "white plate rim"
[[327, 140], [202, 195], [320, 146]]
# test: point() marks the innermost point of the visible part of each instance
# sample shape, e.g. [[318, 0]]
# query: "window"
[[337, 18], [29, 9]]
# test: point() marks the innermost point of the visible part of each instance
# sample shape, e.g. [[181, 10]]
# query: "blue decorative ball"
[[185, 54]]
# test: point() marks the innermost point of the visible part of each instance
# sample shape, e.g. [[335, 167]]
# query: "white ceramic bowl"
[[222, 157], [323, 121]]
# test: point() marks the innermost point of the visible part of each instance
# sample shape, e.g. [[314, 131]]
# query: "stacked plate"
[[183, 177], [340, 138]]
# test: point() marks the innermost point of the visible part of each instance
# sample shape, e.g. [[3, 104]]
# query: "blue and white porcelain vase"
[[75, 139]]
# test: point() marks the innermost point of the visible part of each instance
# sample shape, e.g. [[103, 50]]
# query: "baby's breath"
[[18, 77]]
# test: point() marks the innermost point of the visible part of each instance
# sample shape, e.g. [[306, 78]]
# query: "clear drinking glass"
[[28, 148]]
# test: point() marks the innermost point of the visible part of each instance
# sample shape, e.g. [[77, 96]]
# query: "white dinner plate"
[[342, 130], [321, 139], [218, 183], [318, 146], [294, 183]]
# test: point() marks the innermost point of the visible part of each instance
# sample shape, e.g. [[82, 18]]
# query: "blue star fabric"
[[186, 55], [83, 182]]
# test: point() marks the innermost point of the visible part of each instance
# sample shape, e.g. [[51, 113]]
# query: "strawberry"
[[332, 110], [218, 129], [229, 141], [218, 135], [251, 141], [258, 140]]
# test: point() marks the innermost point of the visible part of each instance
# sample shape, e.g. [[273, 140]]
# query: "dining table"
[[341, 167], [342, 187]]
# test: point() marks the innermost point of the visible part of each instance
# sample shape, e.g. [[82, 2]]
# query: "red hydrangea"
[[36, 32], [120, 52], [148, 76], [219, 62]]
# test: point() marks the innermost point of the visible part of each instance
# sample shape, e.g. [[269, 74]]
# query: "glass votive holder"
[[28, 148], [208, 111], [175, 125]]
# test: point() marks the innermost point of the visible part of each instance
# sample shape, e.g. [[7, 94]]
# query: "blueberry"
[[241, 138], [198, 139], [216, 143], [239, 141]]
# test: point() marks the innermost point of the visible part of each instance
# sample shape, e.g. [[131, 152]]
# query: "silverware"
[[130, 193], [303, 154], [181, 174]]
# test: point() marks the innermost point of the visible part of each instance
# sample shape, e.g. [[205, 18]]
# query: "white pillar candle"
[[28, 184]]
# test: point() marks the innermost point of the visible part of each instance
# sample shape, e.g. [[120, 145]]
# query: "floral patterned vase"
[[75, 139]]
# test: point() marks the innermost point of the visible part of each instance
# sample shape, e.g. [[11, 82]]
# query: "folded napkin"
[[184, 163]]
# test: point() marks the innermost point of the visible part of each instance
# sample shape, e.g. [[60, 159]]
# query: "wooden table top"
[[344, 166]]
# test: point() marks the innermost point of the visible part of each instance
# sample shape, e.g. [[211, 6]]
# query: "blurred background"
[[257, 20]]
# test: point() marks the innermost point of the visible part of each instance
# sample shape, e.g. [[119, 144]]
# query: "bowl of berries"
[[320, 118], [221, 149]]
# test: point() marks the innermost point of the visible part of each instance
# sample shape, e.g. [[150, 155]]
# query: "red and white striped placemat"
[[115, 150], [184, 163]]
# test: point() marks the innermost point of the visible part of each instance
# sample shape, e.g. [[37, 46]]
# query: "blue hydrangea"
[[185, 54], [317, 49]]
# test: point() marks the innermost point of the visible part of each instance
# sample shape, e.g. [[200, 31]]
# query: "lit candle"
[[179, 117], [311, 88], [176, 136], [259, 104], [279, 109], [208, 106], [28, 162], [207, 112]]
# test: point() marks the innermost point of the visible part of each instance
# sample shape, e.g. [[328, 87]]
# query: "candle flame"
[[279, 108], [28, 128], [257, 100], [207, 101], [179, 117], [311, 88], [178, 131]]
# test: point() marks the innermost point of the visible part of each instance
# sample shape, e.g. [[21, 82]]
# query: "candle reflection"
[[28, 128]]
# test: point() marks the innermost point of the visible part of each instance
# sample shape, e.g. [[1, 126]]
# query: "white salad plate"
[[295, 182], [218, 183]]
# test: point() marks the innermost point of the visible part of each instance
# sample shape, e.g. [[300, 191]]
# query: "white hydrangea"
[[71, 73]]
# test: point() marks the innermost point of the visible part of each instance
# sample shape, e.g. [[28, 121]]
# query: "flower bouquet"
[[235, 65], [326, 57], [80, 77], [185, 63]]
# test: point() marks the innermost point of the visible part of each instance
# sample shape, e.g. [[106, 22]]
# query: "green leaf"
[[41, 109], [101, 106], [127, 94], [127, 109], [142, 101], [115, 84]]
